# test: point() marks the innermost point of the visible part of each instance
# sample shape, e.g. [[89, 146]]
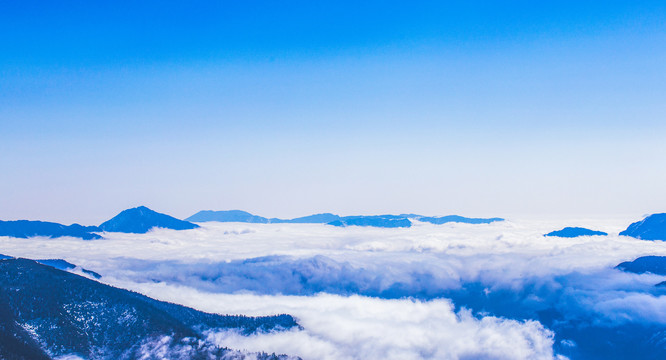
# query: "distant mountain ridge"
[[384, 221], [310, 219], [246, 217], [48, 312], [140, 220], [653, 227], [388, 221], [227, 216], [456, 218], [645, 264], [572, 232], [27, 228]]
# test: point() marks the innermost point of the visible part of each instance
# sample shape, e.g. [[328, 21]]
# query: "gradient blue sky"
[[287, 108]]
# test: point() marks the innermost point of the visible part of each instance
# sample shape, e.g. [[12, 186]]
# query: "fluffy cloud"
[[356, 327]]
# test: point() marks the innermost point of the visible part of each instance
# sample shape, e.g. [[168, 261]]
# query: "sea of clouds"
[[452, 291]]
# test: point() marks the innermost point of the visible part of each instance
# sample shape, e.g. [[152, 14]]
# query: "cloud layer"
[[470, 288]]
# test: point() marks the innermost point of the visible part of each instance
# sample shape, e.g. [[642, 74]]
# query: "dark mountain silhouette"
[[141, 219], [572, 232], [26, 229], [652, 227], [46, 310]]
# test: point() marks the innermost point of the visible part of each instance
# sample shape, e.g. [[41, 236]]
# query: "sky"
[[283, 109]]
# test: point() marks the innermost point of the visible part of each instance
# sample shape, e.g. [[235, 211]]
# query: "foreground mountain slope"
[[27, 228], [15, 341], [141, 219], [69, 314]]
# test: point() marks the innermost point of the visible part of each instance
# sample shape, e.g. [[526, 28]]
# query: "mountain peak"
[[141, 219]]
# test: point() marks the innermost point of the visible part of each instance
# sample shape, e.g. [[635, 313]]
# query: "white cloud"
[[356, 327]]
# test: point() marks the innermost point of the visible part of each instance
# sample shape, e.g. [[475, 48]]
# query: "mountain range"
[[388, 221], [142, 219]]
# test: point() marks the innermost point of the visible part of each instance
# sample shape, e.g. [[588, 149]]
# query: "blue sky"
[[288, 108]]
